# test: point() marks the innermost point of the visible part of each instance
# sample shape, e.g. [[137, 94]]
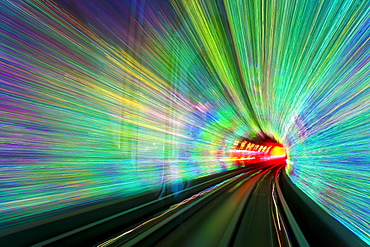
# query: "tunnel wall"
[[101, 101], [91, 114]]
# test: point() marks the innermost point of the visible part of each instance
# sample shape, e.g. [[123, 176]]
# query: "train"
[[246, 152]]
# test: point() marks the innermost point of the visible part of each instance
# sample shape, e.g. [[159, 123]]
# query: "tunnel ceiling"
[[103, 100]]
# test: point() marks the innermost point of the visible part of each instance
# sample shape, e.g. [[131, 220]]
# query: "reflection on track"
[[232, 214], [256, 225], [214, 224]]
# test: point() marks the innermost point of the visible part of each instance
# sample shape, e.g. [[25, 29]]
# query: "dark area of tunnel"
[[263, 139], [318, 227]]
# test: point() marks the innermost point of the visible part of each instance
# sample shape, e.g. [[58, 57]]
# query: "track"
[[215, 223], [253, 206], [238, 212], [256, 225]]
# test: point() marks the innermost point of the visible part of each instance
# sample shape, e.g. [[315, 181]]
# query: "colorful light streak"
[[101, 100]]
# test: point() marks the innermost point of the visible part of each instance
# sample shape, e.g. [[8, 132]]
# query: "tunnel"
[[185, 123]]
